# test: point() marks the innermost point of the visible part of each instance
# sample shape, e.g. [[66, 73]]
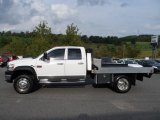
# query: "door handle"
[[80, 63], [59, 63]]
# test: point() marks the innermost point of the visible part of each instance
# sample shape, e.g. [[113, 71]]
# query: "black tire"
[[122, 84], [23, 84]]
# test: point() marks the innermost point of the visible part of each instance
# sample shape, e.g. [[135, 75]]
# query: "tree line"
[[41, 39]]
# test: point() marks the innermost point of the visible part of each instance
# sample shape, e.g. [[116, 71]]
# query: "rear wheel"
[[23, 84], [122, 84]]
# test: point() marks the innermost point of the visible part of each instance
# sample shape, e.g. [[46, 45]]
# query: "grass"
[[143, 45], [145, 53], [146, 49]]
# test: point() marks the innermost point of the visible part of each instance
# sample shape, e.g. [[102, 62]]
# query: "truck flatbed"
[[109, 70]]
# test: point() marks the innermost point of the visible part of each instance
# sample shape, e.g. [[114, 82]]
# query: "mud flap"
[[148, 75], [140, 76]]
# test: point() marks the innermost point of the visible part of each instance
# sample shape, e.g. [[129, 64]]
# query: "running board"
[[46, 81]]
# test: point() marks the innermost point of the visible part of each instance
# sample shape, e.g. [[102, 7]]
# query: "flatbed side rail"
[[124, 70]]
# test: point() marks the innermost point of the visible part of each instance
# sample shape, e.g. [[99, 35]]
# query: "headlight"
[[10, 67]]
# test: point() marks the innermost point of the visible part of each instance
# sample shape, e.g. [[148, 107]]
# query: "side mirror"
[[45, 56]]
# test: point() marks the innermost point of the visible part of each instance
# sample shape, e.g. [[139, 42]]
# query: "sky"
[[92, 17]]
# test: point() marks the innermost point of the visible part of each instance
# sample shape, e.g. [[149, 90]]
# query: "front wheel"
[[122, 84], [23, 84]]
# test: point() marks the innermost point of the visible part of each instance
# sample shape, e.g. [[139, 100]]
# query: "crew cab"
[[70, 65]]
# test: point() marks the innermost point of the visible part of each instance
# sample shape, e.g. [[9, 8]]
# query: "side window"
[[57, 54], [74, 54]]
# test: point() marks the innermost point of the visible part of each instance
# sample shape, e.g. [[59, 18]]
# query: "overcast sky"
[[93, 17]]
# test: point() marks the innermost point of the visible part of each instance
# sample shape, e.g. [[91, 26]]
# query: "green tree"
[[17, 46], [101, 51], [40, 42], [60, 39], [73, 36], [132, 52], [4, 40], [133, 43], [120, 51], [42, 29], [111, 50], [37, 47]]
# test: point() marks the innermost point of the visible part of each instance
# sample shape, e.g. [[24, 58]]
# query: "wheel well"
[[22, 72], [131, 77]]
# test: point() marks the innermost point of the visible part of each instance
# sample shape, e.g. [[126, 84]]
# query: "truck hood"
[[23, 62]]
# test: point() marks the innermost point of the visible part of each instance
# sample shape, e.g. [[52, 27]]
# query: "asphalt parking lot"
[[81, 103]]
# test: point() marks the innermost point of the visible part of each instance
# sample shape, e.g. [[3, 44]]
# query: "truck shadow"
[[116, 116], [106, 86], [62, 86], [103, 86]]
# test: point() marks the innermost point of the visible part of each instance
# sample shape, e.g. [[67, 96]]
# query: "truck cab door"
[[52, 69], [75, 68]]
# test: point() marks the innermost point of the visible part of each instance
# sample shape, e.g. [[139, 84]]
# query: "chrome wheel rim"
[[123, 84], [23, 84]]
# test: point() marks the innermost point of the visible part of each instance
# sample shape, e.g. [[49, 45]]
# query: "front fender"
[[23, 70]]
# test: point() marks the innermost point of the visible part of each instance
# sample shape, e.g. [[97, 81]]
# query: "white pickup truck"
[[70, 65]]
